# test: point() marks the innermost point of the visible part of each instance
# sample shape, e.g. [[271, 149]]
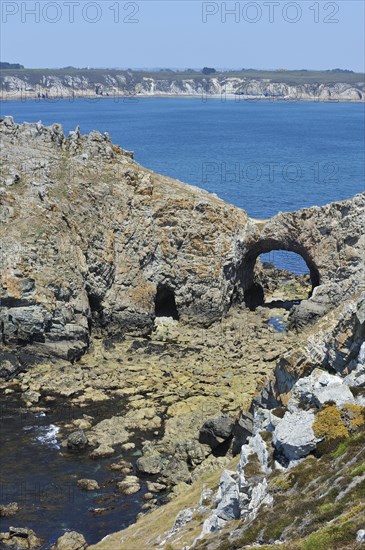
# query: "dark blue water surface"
[[264, 157]]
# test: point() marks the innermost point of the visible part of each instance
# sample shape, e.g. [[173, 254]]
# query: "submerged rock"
[[7, 510], [88, 484], [77, 441]]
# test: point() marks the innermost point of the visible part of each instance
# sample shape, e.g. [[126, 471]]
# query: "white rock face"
[[319, 388], [259, 496], [228, 506], [294, 436], [357, 375], [236, 496], [258, 446]]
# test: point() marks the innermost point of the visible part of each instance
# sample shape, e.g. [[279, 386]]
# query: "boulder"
[[71, 541], [360, 535], [77, 441], [294, 437], [324, 297], [259, 496], [176, 471], [216, 430], [155, 487], [9, 366], [211, 524], [149, 465], [259, 447], [182, 518], [243, 429]]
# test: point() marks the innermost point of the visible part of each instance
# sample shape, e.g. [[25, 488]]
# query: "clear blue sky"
[[172, 33]]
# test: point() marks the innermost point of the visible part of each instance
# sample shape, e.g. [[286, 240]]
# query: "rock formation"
[[91, 241]]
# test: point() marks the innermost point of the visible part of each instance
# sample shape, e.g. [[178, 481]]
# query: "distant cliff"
[[274, 85]]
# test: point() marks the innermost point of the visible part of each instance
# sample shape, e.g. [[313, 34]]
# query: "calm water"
[[264, 157]]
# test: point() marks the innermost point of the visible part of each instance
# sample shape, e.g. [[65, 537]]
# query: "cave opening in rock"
[[165, 304], [278, 277]]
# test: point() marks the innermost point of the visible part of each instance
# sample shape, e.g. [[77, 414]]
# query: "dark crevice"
[[165, 304]]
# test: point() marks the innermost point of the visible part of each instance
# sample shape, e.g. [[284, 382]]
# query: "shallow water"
[[278, 323], [42, 477]]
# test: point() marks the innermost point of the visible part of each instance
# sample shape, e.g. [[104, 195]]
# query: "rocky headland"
[[121, 285]]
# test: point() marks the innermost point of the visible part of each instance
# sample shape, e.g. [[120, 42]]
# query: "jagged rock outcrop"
[[91, 241], [91, 83]]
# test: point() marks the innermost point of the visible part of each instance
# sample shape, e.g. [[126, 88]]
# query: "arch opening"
[[165, 304], [285, 275]]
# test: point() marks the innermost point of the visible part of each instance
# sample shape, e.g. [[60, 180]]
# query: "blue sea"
[[264, 157]]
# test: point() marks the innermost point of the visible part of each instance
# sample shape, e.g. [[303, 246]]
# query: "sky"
[[184, 34]]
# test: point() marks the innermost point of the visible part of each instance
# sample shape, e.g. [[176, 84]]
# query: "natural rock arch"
[[252, 292], [116, 231]]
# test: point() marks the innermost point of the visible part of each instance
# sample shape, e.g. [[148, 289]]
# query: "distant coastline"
[[23, 84]]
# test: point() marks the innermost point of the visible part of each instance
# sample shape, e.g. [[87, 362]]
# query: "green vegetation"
[[329, 424], [359, 471], [333, 424]]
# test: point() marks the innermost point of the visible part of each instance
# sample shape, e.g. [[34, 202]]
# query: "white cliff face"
[[356, 376], [128, 84]]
